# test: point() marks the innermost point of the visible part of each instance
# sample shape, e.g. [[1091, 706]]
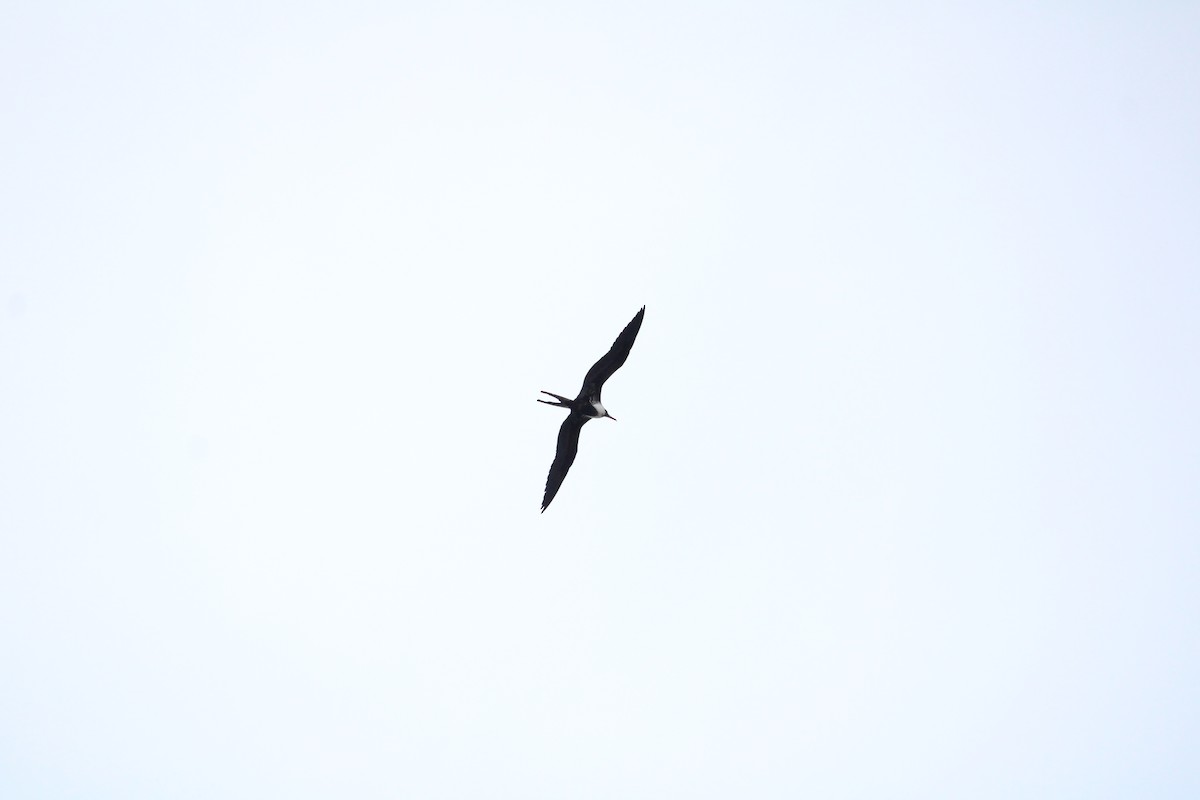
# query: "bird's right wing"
[[611, 361], [564, 457]]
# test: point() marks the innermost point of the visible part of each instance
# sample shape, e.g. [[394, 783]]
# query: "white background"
[[903, 499]]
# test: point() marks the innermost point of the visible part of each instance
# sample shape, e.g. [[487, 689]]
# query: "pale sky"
[[903, 502]]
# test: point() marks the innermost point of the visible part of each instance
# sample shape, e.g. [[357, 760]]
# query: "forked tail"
[[562, 401]]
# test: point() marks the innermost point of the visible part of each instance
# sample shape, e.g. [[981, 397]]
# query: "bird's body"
[[586, 405]]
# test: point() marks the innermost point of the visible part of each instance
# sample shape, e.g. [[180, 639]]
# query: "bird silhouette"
[[586, 405]]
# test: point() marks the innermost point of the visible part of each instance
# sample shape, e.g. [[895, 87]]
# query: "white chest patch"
[[600, 412]]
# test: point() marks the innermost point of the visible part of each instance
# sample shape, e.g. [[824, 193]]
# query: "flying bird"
[[586, 406]]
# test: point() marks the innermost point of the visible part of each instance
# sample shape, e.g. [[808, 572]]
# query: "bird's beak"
[[610, 416]]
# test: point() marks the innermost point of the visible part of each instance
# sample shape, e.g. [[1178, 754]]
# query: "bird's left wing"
[[564, 457]]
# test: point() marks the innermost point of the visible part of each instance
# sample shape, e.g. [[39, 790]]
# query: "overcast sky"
[[903, 502]]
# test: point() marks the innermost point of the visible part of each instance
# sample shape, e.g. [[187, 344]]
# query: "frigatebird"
[[586, 406]]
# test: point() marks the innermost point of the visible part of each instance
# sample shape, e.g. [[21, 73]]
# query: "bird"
[[586, 406]]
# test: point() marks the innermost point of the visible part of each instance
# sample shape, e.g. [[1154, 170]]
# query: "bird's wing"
[[564, 457], [611, 361]]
